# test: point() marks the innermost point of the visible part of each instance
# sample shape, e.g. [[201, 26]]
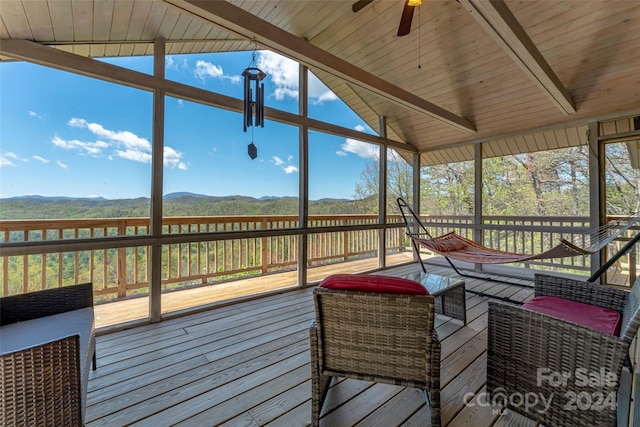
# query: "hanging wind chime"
[[253, 107]]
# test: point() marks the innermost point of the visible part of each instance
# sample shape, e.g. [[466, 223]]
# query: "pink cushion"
[[373, 283], [447, 243], [590, 316]]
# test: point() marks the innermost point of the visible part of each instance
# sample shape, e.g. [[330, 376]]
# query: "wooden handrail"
[[123, 271]]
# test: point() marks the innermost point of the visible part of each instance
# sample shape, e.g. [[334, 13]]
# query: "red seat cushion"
[[373, 283], [590, 316]]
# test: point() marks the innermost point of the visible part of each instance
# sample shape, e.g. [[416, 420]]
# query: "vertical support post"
[[478, 231], [382, 196], [596, 191], [155, 286], [416, 183], [303, 191], [416, 193]]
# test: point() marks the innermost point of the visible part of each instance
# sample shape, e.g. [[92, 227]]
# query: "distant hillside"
[[35, 196], [171, 196], [175, 204]]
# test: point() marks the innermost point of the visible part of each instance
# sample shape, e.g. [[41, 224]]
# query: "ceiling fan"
[[407, 14]]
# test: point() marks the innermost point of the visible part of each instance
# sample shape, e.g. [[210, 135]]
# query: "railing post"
[[264, 253], [122, 263], [345, 240]]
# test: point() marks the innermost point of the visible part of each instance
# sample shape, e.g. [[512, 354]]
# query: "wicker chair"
[[43, 385], [534, 355], [377, 337]]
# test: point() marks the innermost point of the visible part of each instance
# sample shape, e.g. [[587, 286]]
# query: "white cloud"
[[34, 114], [359, 148], [136, 156], [283, 72], [170, 63], [172, 159], [7, 158], [4, 160], [41, 159], [287, 167], [206, 69], [127, 145], [318, 92], [129, 139], [93, 149], [62, 165], [284, 75]]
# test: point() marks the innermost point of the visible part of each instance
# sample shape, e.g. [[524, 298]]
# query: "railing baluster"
[[92, 254], [60, 259], [122, 263], [43, 264], [5, 269], [105, 270], [25, 266]]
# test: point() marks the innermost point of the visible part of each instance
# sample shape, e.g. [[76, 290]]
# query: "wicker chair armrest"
[[530, 352], [580, 291], [313, 337], [32, 305]]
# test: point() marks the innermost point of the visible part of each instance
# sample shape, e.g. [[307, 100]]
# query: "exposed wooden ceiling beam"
[[239, 21], [498, 21]]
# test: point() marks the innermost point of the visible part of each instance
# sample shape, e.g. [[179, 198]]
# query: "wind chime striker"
[[253, 107]]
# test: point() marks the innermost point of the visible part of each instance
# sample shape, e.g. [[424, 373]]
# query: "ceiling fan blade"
[[405, 20], [357, 6]]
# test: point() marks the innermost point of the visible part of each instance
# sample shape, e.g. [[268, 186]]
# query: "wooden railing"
[[118, 272]]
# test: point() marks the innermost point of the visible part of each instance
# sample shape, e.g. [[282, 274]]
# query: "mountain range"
[[175, 204]]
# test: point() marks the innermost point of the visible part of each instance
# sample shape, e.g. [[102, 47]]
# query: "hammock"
[[457, 247], [453, 246]]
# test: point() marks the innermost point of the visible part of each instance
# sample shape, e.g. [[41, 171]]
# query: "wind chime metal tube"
[[253, 107]]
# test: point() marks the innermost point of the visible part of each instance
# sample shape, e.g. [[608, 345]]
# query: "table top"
[[436, 285]]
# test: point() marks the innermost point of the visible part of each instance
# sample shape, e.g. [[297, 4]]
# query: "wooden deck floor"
[[132, 309], [247, 364]]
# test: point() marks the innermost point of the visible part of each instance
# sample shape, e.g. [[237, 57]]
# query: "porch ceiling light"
[[414, 2]]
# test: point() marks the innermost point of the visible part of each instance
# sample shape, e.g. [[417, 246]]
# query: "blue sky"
[[66, 135]]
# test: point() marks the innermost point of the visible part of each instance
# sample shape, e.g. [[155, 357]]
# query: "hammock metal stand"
[[406, 210], [415, 230], [626, 248]]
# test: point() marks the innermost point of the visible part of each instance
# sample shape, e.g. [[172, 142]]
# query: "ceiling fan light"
[[414, 2]]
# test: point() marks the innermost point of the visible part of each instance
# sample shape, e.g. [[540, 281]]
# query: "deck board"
[[247, 364], [137, 308]]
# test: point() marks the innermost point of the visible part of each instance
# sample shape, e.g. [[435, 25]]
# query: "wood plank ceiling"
[[449, 58]]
